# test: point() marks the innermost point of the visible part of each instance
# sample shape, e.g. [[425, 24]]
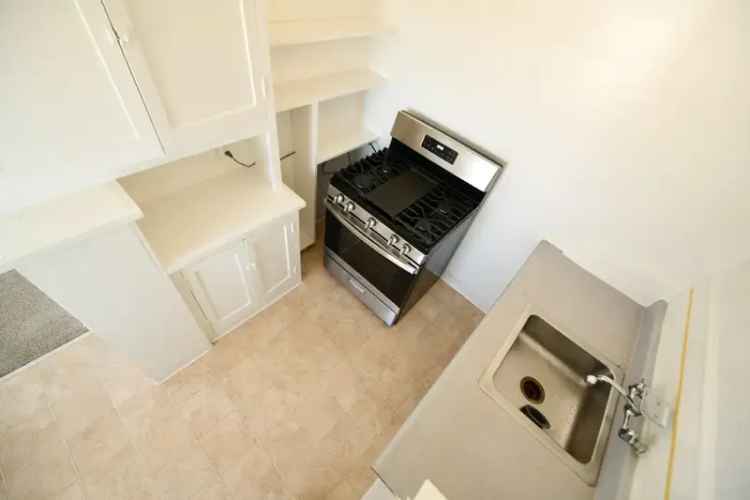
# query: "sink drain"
[[536, 416], [532, 389]]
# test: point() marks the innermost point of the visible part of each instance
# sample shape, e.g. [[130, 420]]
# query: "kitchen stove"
[[395, 218]]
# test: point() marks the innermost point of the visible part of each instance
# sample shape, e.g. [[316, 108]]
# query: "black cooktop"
[[418, 200]]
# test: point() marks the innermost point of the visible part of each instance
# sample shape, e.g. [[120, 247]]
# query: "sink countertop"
[[468, 445]]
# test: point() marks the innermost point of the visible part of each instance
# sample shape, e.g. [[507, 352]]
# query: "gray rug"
[[31, 324]]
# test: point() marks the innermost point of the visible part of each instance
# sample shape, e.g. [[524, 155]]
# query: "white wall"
[[710, 451], [625, 126], [727, 396]]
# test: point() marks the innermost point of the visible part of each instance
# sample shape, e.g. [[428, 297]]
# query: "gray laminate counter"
[[469, 446]]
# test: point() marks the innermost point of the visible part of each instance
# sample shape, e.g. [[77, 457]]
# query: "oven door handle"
[[367, 241]]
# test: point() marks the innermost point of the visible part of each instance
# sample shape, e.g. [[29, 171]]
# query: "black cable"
[[287, 156], [373, 147], [229, 154]]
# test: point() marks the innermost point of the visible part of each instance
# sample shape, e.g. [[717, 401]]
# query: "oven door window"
[[388, 278]]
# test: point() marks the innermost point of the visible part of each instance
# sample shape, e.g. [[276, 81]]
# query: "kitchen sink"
[[539, 377]]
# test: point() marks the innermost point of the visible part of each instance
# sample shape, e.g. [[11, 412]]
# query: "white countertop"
[[196, 221], [62, 220], [468, 445]]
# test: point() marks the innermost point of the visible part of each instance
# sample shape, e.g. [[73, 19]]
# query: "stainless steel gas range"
[[395, 218]]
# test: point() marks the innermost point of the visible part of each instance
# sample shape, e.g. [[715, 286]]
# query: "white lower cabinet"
[[277, 254], [223, 286], [236, 282]]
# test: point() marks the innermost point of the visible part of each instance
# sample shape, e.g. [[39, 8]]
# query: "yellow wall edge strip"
[[678, 399]]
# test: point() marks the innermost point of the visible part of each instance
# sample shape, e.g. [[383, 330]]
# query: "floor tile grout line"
[[3, 482], [101, 386], [64, 439], [210, 461], [274, 464]]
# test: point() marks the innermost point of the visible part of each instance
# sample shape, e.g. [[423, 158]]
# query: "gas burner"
[[423, 225], [445, 207], [435, 214], [371, 172]]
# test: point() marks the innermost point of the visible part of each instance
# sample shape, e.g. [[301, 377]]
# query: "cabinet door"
[[200, 66], [276, 250], [223, 286], [71, 113]]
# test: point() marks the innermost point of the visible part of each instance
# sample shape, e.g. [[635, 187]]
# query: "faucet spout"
[[629, 395]]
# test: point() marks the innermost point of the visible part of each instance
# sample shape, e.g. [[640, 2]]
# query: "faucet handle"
[[638, 390], [648, 405]]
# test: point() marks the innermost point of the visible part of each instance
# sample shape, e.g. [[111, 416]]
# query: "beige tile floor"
[[295, 404]]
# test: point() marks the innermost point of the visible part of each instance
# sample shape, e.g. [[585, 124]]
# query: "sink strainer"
[[532, 389]]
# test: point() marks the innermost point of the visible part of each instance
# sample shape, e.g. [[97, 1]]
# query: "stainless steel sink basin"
[[539, 377]]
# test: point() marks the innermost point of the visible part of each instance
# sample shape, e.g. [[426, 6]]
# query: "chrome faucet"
[[633, 408]]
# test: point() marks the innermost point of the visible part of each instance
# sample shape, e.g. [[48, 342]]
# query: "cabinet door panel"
[[72, 115], [276, 251], [197, 63], [224, 288]]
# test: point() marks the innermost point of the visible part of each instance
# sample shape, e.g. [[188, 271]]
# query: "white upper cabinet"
[[93, 90], [200, 66], [71, 115]]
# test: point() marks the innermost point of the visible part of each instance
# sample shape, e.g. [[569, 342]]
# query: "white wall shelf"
[[196, 221], [337, 142], [285, 33], [298, 93]]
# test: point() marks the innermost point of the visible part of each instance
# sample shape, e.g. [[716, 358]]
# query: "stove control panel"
[[439, 149], [369, 225]]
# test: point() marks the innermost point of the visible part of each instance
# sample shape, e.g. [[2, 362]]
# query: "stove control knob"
[[339, 198], [371, 223], [405, 249], [393, 240], [349, 207]]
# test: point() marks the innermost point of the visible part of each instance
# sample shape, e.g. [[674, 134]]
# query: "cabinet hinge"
[[120, 36]]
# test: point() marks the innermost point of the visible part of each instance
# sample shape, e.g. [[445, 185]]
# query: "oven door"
[[368, 260]]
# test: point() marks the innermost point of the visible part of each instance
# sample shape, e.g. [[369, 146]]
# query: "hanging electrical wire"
[[229, 154]]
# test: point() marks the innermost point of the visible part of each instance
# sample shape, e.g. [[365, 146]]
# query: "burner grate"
[[371, 172], [435, 214], [425, 221]]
